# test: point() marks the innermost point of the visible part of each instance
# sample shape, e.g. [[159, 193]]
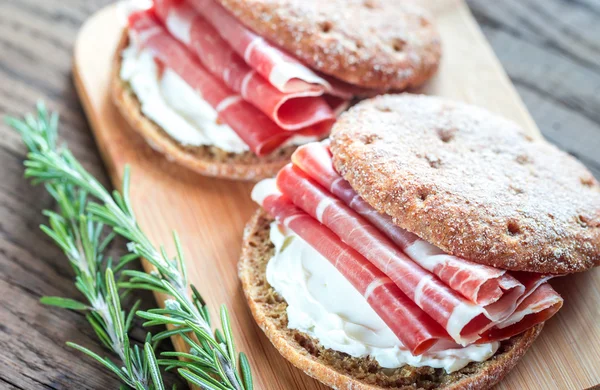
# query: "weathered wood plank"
[[551, 51]]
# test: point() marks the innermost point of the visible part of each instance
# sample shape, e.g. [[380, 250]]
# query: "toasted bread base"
[[340, 370], [206, 160]]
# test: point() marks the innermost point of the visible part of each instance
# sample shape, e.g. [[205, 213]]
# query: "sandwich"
[[414, 248], [231, 88]]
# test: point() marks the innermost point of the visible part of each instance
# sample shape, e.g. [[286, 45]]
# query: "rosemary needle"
[[77, 229]]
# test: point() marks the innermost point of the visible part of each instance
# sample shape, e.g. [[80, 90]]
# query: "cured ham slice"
[[531, 283], [503, 295], [497, 304], [492, 288], [541, 304], [283, 72], [413, 327], [462, 319], [289, 110], [260, 133]]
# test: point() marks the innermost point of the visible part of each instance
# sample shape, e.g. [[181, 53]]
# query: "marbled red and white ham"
[[541, 304], [260, 133], [283, 71], [462, 319], [410, 324], [265, 95], [472, 302], [290, 110]]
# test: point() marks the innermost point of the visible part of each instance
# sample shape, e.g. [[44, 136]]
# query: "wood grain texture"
[[548, 47]]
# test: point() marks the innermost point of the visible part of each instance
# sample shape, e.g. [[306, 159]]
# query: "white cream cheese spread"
[[324, 305]]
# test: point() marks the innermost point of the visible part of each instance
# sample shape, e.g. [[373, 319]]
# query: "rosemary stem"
[[77, 230]]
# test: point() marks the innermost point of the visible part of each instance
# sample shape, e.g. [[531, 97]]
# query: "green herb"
[[81, 238], [213, 365]]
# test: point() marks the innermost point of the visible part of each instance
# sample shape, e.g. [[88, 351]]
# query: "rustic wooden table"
[[550, 49]]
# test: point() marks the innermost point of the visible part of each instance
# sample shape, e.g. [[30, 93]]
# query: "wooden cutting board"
[[210, 214]]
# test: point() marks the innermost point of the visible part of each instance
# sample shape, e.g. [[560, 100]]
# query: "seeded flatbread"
[[470, 182], [380, 44], [206, 160], [340, 370]]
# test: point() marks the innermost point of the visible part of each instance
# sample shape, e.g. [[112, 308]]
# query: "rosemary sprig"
[[82, 240], [214, 363]]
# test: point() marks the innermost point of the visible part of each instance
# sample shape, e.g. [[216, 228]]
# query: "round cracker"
[[380, 44], [206, 160], [337, 369], [470, 182]]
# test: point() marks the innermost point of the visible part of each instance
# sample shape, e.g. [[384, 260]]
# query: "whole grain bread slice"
[[340, 370], [206, 160]]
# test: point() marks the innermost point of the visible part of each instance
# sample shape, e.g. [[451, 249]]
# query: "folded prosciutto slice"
[[290, 110], [260, 91], [494, 289], [462, 319], [538, 303], [260, 133], [281, 70], [473, 303], [537, 307], [415, 329]]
